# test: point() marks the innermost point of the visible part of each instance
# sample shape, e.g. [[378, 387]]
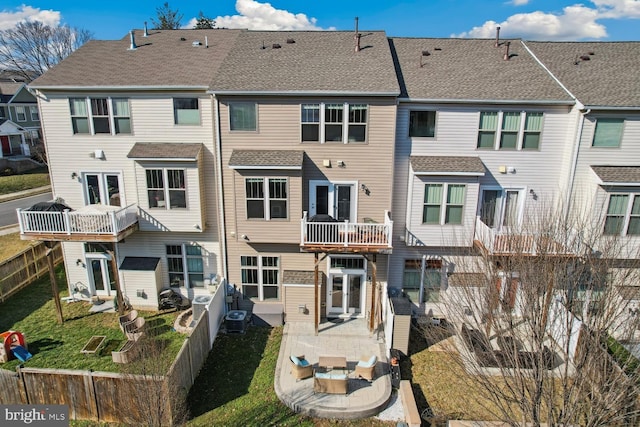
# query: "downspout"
[[574, 161], [422, 268], [223, 226]]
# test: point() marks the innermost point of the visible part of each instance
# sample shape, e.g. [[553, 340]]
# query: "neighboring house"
[[480, 141], [19, 106], [130, 139], [307, 132]]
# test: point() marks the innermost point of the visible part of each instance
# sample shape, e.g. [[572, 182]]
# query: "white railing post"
[[67, 221], [20, 220], [114, 225], [346, 232], [303, 227]]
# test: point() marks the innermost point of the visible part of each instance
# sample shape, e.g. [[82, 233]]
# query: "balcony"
[[493, 241], [93, 223], [346, 237]]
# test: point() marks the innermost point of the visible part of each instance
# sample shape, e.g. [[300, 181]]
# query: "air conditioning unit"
[[236, 321], [199, 305]]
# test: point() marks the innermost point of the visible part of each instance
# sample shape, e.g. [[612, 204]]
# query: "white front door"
[[101, 275], [346, 295], [335, 199], [500, 207], [103, 188]]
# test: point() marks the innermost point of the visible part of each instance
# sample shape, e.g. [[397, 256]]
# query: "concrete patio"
[[349, 338]]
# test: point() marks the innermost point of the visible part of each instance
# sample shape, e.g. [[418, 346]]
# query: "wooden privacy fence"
[[22, 269], [113, 397]]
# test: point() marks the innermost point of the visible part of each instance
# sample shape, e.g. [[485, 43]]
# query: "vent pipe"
[[506, 51], [357, 36], [206, 42], [133, 40], [146, 33], [356, 33], [497, 37]]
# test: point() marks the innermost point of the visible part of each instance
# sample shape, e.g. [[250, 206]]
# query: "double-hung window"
[[432, 276], [35, 114], [260, 277], [266, 201], [422, 124], [166, 188], [509, 130], [100, 115], [443, 204], [186, 111], [185, 265], [608, 132], [334, 122], [623, 215], [21, 114], [243, 117]]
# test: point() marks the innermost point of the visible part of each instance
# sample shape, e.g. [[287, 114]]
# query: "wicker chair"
[[301, 368], [127, 318], [135, 329], [366, 367]]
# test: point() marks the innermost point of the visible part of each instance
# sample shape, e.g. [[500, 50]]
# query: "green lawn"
[[10, 244], [235, 386], [32, 312], [32, 179]]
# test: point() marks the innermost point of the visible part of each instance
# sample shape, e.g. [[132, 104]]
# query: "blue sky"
[[608, 20]]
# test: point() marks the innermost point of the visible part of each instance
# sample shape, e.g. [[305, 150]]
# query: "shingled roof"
[[308, 62], [447, 165], [166, 58], [618, 174], [471, 70], [280, 159], [167, 150], [609, 77]]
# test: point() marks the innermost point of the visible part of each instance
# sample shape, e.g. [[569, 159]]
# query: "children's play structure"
[[13, 346]]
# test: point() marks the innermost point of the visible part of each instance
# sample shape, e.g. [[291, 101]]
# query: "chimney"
[[506, 51], [146, 33], [133, 40], [497, 37]]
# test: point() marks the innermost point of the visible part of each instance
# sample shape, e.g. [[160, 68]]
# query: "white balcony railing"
[[346, 234], [92, 219], [504, 241]]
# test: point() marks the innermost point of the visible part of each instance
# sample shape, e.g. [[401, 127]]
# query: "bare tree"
[[167, 18], [31, 48], [537, 320]]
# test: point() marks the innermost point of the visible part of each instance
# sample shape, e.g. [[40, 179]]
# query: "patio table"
[[331, 362]]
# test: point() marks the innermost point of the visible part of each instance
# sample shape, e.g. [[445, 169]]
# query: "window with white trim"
[[260, 276], [186, 111], [327, 122], [21, 114], [185, 265], [443, 204], [431, 284], [608, 132], [166, 188], [266, 202], [509, 130], [100, 115], [623, 215], [243, 116], [35, 114]]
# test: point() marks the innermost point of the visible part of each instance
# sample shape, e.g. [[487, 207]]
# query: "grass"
[[26, 181], [238, 391], [32, 312], [10, 245]]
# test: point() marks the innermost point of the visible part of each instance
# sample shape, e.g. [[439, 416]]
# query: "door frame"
[[102, 183], [345, 273], [105, 269], [332, 205], [501, 204]]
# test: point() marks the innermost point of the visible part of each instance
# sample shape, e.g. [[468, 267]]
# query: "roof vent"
[[437, 48], [263, 46], [290, 41], [507, 56], [182, 39], [585, 57], [276, 46], [424, 53], [132, 36], [196, 43], [146, 32], [497, 44]]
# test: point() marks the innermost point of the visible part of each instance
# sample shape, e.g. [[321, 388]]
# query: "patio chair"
[[366, 367], [134, 329], [127, 318], [301, 368]]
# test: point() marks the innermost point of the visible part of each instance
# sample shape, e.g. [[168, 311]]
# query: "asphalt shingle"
[[169, 150], [443, 165], [265, 158], [471, 69], [609, 77], [617, 174]]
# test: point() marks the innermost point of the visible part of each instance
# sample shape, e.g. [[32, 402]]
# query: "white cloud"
[[263, 16], [519, 2], [9, 19], [618, 8], [574, 23]]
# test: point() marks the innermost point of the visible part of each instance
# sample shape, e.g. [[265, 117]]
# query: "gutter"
[[117, 88], [485, 101], [300, 93]]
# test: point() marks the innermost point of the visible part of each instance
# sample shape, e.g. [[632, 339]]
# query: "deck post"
[[52, 277], [116, 279], [316, 289], [374, 287]]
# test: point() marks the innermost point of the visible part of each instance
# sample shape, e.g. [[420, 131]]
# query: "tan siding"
[[296, 296]]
